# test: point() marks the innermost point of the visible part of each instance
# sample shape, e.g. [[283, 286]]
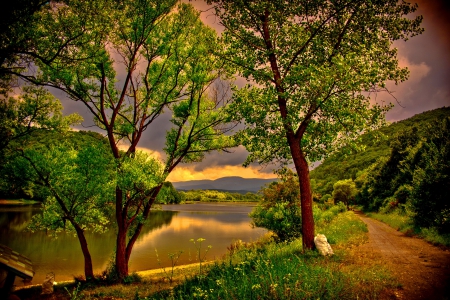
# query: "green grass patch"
[[284, 271], [403, 222], [268, 270], [395, 219], [432, 235]]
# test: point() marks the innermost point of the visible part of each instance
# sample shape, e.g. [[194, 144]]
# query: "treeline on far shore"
[[169, 195]]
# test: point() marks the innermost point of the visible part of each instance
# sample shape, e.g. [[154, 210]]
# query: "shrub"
[[325, 198], [344, 191], [281, 218], [279, 209]]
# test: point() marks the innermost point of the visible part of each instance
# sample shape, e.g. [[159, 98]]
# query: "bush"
[[431, 179], [168, 194], [279, 209], [325, 198], [344, 191], [282, 218]]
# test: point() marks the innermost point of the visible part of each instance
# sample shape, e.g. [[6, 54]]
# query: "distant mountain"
[[233, 183]]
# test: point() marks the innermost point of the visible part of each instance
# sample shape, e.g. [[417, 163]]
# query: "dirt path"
[[422, 269]]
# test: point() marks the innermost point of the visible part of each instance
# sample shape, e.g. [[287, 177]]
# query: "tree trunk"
[[301, 166], [298, 156], [88, 271], [138, 229], [121, 241]]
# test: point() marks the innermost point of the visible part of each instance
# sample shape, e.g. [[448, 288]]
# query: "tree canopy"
[[33, 109], [129, 62], [79, 185], [309, 63]]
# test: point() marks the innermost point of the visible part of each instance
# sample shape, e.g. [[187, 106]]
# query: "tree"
[[344, 191], [308, 62], [278, 210], [162, 60], [168, 194], [431, 178], [18, 21], [33, 109], [79, 182]]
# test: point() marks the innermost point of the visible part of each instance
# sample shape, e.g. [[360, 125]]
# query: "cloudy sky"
[[427, 56]]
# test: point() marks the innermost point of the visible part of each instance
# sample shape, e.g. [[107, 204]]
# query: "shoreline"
[[150, 274], [18, 202]]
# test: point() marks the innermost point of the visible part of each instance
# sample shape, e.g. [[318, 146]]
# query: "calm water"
[[167, 231]]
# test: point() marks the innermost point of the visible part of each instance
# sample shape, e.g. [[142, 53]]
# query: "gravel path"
[[422, 269]]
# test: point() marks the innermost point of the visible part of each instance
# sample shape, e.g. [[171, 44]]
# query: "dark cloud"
[[431, 51]]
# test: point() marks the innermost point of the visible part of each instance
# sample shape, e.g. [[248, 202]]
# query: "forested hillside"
[[404, 170], [348, 164]]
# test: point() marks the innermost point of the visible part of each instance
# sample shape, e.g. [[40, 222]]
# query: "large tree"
[[18, 20], [128, 62], [309, 62]]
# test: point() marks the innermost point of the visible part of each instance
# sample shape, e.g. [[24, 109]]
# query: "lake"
[[167, 231]]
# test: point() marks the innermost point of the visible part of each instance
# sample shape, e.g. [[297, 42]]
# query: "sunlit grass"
[[395, 219], [268, 270], [285, 271], [403, 223]]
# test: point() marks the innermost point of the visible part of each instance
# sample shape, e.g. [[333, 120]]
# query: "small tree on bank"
[[309, 62], [79, 182], [279, 210]]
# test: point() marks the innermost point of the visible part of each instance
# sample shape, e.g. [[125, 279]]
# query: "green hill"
[[348, 163]]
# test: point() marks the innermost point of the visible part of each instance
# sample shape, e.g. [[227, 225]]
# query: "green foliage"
[[344, 191], [309, 81], [75, 294], [279, 208], [167, 60], [168, 195], [431, 179], [80, 184], [15, 178], [284, 271], [348, 163], [396, 218], [132, 278], [34, 109], [18, 25], [138, 176], [218, 196], [416, 174], [200, 257]]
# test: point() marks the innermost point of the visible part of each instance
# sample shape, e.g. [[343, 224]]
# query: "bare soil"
[[423, 270]]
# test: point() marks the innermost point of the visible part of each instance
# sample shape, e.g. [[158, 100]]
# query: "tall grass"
[[284, 271], [402, 221], [269, 270]]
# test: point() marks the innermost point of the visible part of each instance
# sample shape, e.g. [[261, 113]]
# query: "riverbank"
[[167, 231], [263, 269], [18, 202]]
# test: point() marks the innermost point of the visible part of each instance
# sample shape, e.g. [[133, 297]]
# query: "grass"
[[396, 219], [403, 223], [267, 270], [284, 271]]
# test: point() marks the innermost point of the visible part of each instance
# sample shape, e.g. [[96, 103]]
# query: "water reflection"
[[168, 231]]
